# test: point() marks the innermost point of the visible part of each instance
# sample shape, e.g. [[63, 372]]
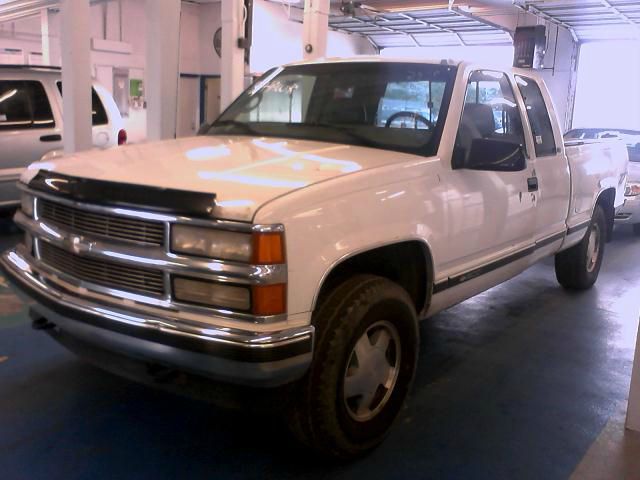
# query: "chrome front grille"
[[107, 274], [84, 222]]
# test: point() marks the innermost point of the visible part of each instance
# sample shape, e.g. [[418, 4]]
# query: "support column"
[[633, 410], [162, 67], [316, 29], [46, 41], [76, 75], [232, 67]]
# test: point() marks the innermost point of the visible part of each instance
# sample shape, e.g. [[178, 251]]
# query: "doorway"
[[187, 124], [209, 99], [121, 90]]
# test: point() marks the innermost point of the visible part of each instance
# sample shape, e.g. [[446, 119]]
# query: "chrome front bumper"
[[235, 356], [629, 212]]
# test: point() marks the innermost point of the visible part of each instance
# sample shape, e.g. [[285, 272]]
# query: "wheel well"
[[606, 200], [407, 263]]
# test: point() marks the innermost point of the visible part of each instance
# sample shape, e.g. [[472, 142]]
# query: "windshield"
[[392, 106]]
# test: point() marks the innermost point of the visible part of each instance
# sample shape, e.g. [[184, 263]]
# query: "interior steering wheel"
[[415, 116]]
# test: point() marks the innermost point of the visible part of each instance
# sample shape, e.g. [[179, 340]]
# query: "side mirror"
[[491, 155], [204, 128]]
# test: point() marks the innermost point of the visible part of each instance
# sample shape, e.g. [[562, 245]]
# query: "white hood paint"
[[244, 172]]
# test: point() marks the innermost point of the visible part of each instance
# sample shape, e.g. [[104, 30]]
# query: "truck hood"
[[244, 172]]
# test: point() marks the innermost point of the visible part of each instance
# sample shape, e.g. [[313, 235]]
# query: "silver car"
[[31, 122], [629, 213]]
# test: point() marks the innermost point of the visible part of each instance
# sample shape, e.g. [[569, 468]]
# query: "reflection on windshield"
[[394, 106]]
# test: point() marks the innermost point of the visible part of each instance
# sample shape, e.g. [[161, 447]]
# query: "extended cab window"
[[98, 113], [24, 104], [491, 125], [392, 106], [538, 116]]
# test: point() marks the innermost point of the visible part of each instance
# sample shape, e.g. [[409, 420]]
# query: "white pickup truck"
[[297, 244]]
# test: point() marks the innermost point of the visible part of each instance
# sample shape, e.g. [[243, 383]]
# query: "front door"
[[490, 215]]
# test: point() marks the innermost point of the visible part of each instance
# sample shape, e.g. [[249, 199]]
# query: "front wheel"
[[364, 362], [578, 267]]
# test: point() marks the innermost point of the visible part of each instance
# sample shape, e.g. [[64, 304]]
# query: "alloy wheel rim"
[[593, 248], [372, 371]]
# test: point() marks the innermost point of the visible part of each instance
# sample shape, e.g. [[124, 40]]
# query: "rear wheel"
[[364, 361], [578, 267]]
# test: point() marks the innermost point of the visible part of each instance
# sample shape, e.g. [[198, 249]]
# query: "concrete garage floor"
[[525, 381]]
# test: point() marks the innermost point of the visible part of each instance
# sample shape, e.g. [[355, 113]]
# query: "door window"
[[490, 129], [24, 105], [98, 112], [538, 115]]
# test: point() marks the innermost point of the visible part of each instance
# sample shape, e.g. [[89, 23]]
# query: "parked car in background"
[[629, 213], [31, 126], [297, 244]]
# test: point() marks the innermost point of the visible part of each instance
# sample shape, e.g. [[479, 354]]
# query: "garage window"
[[24, 105], [99, 114], [538, 115]]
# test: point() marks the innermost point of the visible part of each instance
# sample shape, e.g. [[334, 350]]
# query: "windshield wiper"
[[235, 123]]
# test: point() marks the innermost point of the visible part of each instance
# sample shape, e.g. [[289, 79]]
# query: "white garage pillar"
[[315, 29], [46, 42], [76, 75], [162, 64], [232, 68], [633, 411]]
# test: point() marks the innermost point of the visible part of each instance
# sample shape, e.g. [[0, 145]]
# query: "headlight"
[[207, 242], [26, 204], [211, 294], [257, 248], [632, 189]]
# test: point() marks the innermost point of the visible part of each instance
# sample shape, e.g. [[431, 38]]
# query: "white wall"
[[608, 79], [278, 40]]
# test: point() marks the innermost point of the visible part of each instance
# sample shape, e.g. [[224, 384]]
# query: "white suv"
[[31, 122]]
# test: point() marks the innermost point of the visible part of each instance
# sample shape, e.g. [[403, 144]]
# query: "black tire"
[[636, 229], [577, 268], [321, 417]]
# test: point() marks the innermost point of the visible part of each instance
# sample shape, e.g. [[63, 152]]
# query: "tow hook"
[[39, 322]]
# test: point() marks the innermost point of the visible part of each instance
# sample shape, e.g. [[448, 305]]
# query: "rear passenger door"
[[550, 166], [27, 126]]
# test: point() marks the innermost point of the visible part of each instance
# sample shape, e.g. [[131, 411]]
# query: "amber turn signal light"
[[268, 248], [269, 299]]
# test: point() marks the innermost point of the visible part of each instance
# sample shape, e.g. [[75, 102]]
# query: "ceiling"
[[591, 19], [421, 27]]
